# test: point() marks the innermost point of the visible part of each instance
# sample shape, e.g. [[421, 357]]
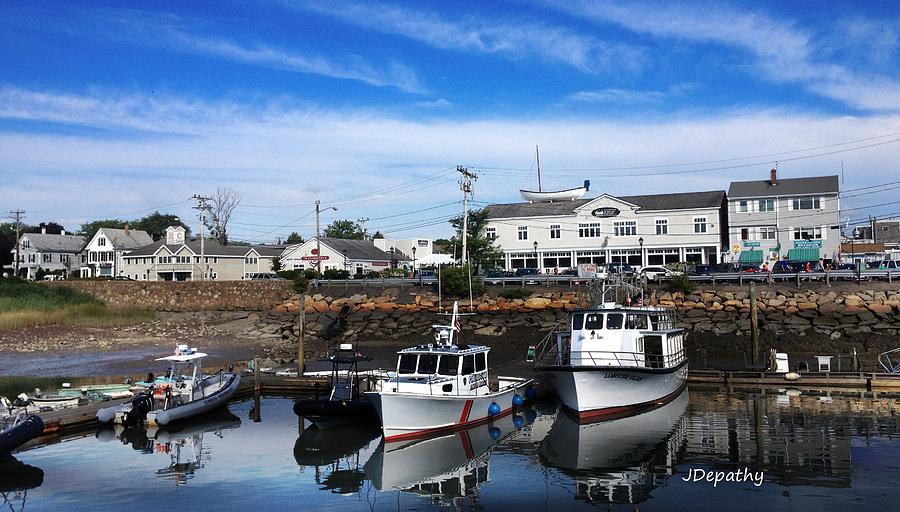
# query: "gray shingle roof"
[[682, 200], [55, 243], [360, 249], [134, 239], [784, 187], [210, 248]]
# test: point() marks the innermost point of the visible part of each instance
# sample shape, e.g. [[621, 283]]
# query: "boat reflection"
[[16, 479], [337, 454], [621, 460], [448, 469], [183, 442]]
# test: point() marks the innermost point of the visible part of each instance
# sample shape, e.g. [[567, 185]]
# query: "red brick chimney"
[[773, 177], [126, 225]]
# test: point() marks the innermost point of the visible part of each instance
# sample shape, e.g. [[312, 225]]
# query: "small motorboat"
[[443, 386], [569, 194], [344, 404], [17, 427], [46, 402], [177, 396], [96, 391]]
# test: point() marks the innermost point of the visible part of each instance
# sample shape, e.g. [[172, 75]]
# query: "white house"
[[639, 230], [355, 256], [49, 252], [103, 254]]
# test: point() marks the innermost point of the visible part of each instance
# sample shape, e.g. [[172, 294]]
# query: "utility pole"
[[466, 185], [17, 215], [362, 224], [202, 208]]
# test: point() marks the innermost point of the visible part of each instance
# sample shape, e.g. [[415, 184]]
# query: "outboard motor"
[[140, 406], [24, 431], [587, 184]]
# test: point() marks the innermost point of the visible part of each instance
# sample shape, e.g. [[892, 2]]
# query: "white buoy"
[[792, 376]]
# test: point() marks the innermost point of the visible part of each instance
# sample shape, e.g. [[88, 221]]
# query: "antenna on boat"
[[537, 155]]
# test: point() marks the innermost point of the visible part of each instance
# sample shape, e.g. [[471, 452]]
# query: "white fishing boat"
[[178, 396], [443, 386], [614, 359]]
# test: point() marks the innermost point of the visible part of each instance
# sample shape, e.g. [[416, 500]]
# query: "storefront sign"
[[314, 258], [379, 264], [807, 244], [751, 244], [606, 212]]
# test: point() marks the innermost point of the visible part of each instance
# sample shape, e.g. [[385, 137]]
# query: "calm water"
[[815, 454]]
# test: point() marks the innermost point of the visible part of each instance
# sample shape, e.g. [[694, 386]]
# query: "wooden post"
[[256, 392], [754, 326], [301, 338]]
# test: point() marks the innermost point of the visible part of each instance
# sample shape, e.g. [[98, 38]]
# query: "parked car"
[[496, 276], [425, 274], [117, 278], [526, 272], [654, 273], [849, 271], [620, 268], [701, 270]]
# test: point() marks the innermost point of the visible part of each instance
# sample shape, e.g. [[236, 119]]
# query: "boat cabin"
[[442, 368], [618, 336], [176, 388]]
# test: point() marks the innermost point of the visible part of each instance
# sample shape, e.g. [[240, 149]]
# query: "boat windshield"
[[614, 321], [449, 365], [593, 321], [428, 364], [407, 363], [636, 321]]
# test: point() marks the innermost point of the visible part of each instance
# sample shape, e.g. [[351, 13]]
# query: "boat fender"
[[530, 393], [493, 409], [518, 421], [530, 415], [517, 400], [792, 376], [495, 433]]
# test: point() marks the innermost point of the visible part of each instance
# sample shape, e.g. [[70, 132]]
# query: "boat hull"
[[15, 436], [200, 406], [596, 393], [329, 413], [406, 416], [559, 195]]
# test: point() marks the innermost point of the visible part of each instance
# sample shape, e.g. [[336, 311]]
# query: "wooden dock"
[[810, 380]]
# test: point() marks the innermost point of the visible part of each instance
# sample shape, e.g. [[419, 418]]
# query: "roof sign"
[[605, 212]]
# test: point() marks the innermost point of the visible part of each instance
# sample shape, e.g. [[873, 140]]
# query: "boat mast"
[[538, 156]]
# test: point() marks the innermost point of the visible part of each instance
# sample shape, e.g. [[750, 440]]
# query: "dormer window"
[[101, 242]]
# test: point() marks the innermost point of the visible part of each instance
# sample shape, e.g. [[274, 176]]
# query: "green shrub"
[[301, 283], [681, 283], [333, 273], [455, 282], [310, 273], [290, 275], [515, 293]]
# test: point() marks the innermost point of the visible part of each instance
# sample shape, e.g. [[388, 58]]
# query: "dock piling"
[[754, 326]]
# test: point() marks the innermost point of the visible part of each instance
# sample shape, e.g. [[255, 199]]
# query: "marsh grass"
[[26, 304]]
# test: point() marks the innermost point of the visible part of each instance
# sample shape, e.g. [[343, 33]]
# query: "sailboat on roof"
[[540, 196]]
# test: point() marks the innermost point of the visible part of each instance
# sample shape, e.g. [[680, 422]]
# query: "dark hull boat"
[[344, 404], [18, 431]]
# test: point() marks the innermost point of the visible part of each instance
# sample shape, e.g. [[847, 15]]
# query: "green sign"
[[751, 244], [807, 244]]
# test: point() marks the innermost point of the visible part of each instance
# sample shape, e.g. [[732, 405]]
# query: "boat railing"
[[890, 365], [563, 356]]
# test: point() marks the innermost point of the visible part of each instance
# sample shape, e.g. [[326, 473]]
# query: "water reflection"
[[16, 479], [337, 455], [182, 443], [621, 460]]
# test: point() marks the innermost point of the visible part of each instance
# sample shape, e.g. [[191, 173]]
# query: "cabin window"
[[480, 361], [577, 321], [593, 321], [449, 365], [428, 364], [614, 320], [407, 363], [468, 366], [637, 322]]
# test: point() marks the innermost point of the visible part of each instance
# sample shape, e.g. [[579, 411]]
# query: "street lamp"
[[393, 261], [853, 251], [318, 243], [414, 260], [641, 243], [537, 263]]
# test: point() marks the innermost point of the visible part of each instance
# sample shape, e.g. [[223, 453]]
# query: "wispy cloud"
[[515, 40], [438, 103], [618, 96], [779, 49]]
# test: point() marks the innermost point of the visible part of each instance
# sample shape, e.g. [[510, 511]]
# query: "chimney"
[[43, 231], [773, 177], [126, 225]]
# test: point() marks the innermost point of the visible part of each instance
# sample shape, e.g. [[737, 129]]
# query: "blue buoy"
[[518, 400], [518, 421], [494, 409], [530, 393], [530, 415], [495, 433]]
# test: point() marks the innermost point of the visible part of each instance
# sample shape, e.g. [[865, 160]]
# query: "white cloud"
[[438, 103], [272, 152], [512, 39], [618, 96], [780, 50]]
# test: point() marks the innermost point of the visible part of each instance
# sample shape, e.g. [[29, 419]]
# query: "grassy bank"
[[27, 304]]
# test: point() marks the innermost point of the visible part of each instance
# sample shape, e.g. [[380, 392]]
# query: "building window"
[[662, 256], [555, 231], [595, 257], [590, 230], [767, 233], [32, 258], [699, 224], [662, 226], [46, 258], [806, 203], [64, 258], [559, 260], [745, 233], [490, 233], [523, 260], [742, 207], [101, 242], [250, 261], [522, 232], [767, 205], [26, 244], [807, 233], [625, 227]]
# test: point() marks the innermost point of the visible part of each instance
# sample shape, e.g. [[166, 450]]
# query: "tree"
[[346, 229], [276, 264], [377, 235], [222, 205], [294, 238], [52, 228], [156, 223], [481, 249], [89, 229], [8, 241]]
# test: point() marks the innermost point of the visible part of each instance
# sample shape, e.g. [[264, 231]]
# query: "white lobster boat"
[[615, 360], [441, 387]]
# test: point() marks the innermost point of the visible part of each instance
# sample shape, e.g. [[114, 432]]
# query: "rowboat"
[[569, 194]]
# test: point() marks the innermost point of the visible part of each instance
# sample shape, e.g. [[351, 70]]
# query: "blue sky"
[[117, 108]]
